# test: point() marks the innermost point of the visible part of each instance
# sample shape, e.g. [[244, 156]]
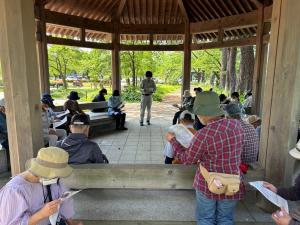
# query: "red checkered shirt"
[[218, 148], [251, 143]]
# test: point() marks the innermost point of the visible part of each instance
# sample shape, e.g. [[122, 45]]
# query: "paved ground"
[[141, 145]]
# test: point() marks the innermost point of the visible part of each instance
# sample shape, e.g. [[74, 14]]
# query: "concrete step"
[[168, 206], [90, 222]]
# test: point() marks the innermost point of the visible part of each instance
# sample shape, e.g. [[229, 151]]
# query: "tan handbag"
[[221, 183]]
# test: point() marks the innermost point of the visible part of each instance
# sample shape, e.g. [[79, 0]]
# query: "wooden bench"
[[99, 121]]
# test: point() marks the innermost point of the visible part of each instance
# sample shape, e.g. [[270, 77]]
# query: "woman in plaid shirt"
[[218, 148]]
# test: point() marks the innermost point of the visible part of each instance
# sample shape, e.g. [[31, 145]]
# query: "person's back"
[[100, 98], [81, 150], [250, 144]]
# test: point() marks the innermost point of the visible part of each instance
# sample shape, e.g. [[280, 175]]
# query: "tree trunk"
[[223, 68], [246, 69], [231, 69]]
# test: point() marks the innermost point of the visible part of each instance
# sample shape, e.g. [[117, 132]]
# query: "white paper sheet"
[[63, 114], [271, 196], [53, 217], [68, 194], [121, 106], [59, 123], [182, 134]]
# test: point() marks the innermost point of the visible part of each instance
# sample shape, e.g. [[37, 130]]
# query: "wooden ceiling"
[[137, 12]]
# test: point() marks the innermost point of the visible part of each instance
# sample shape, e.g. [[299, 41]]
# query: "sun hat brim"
[[48, 172], [295, 153]]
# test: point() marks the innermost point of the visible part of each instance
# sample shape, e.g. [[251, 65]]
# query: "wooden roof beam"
[[183, 11], [151, 47], [230, 22], [257, 3], [77, 43], [151, 29], [75, 21]]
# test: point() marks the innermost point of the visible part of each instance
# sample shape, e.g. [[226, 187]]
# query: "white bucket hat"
[[295, 152], [51, 162]]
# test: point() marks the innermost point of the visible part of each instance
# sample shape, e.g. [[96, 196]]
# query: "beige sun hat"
[[295, 152], [51, 162], [253, 118], [186, 94]]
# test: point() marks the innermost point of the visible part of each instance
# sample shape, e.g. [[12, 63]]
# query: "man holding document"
[[282, 217], [115, 106], [148, 87]]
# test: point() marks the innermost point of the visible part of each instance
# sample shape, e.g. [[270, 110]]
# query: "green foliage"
[[208, 61], [133, 94]]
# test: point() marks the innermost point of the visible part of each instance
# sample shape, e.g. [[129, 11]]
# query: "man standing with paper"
[[293, 194], [148, 87]]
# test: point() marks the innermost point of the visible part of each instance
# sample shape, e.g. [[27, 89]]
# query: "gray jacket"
[[81, 150]]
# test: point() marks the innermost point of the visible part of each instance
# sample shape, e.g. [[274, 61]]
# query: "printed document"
[[271, 196]]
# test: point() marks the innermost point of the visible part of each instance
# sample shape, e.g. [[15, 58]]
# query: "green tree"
[[62, 61]]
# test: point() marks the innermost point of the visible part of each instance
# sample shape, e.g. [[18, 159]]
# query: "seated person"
[[51, 135], [74, 109], [32, 196], [251, 140], [100, 98], [186, 120], [115, 110], [51, 105], [248, 102], [73, 96], [81, 150], [255, 121], [281, 217], [187, 104], [223, 99], [3, 131], [235, 99]]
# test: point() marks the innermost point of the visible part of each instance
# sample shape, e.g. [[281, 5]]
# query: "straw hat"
[[51, 162], [186, 94], [207, 103], [253, 119], [295, 152]]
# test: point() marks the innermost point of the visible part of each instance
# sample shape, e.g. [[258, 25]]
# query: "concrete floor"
[[139, 145]]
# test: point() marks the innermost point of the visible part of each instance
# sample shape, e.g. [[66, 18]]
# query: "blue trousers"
[[214, 212]]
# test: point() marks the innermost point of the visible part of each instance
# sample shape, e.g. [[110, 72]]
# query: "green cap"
[[207, 103]]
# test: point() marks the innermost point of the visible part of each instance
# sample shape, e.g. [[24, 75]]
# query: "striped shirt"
[[20, 199], [218, 148]]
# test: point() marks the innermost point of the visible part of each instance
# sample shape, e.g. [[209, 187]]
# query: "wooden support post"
[[42, 50], [116, 78], [186, 81], [258, 62], [20, 75], [82, 35], [281, 111]]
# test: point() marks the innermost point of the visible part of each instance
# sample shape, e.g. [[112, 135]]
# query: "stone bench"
[[139, 194]]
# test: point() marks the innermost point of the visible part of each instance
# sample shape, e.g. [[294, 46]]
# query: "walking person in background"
[[148, 87], [115, 106]]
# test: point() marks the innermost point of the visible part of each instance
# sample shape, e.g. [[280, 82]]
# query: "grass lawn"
[[129, 94]]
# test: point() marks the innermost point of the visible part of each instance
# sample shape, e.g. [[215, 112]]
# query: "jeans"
[[214, 212]]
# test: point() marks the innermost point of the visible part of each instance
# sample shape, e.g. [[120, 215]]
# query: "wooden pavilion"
[[154, 25]]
